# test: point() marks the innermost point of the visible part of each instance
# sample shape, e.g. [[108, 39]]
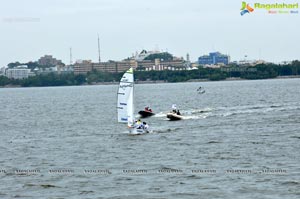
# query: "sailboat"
[[125, 104]]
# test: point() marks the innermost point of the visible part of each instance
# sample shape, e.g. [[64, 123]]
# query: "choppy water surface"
[[238, 140]]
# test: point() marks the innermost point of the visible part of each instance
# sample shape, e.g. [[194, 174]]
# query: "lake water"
[[240, 139]]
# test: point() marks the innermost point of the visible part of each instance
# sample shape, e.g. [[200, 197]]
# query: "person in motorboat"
[[147, 108], [174, 114], [174, 109]]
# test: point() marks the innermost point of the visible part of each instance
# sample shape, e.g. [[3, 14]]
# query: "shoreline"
[[160, 82]]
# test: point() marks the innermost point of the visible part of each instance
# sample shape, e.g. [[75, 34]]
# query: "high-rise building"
[[49, 60], [214, 58]]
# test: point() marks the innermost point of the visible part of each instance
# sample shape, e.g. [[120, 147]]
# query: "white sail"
[[125, 98], [130, 107]]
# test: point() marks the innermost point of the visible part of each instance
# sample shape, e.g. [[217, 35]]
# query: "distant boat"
[[126, 103], [200, 90]]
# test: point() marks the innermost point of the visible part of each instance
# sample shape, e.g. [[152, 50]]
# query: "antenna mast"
[[71, 62], [99, 49]]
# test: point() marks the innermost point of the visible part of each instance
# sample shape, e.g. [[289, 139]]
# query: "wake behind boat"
[[125, 105]]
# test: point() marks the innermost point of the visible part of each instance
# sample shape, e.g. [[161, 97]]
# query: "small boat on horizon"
[[200, 90]]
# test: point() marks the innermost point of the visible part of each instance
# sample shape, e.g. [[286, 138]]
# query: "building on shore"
[[58, 69], [247, 62], [86, 66], [2, 71], [21, 72], [214, 58], [137, 62], [159, 65], [121, 66], [49, 60]]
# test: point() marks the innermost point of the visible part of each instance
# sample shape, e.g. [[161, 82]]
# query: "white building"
[[17, 73], [2, 71], [251, 62], [142, 55]]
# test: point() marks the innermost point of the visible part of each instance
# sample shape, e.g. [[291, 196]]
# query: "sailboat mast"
[[133, 94], [71, 62]]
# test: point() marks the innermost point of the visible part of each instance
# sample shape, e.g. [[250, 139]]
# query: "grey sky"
[[32, 28]]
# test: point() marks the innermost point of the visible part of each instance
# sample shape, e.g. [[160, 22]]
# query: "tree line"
[[261, 71]]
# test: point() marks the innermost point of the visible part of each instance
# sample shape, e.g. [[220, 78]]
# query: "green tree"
[[161, 56], [80, 79], [4, 81], [14, 64]]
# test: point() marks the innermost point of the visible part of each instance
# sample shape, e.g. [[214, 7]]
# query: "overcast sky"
[[32, 28]]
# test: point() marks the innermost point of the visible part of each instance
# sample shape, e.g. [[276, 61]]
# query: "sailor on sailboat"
[[126, 103]]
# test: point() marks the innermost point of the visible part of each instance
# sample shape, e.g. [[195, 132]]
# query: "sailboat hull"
[[135, 131]]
